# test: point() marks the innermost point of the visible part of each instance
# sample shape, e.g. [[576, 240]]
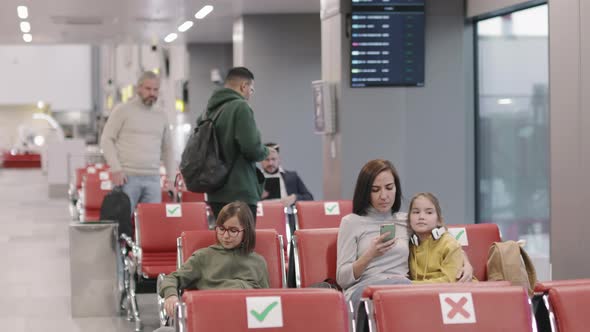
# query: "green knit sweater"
[[217, 268]]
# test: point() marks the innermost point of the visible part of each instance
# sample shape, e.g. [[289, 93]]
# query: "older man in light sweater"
[[135, 139]]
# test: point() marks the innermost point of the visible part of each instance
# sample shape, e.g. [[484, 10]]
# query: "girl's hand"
[[378, 247], [169, 304]]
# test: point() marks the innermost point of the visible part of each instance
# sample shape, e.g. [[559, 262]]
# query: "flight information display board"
[[387, 43]]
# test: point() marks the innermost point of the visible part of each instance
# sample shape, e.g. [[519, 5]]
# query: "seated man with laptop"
[[281, 184]]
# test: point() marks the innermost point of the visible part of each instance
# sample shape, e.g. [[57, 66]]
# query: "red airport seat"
[[95, 186], [271, 215], [315, 255], [569, 307], [285, 310], [366, 306], [157, 226], [476, 240], [321, 214], [189, 196], [541, 300], [21, 160], [457, 309]]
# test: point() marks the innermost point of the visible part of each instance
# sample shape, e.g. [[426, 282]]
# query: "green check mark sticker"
[[173, 210], [264, 311], [460, 235], [331, 208], [262, 315]]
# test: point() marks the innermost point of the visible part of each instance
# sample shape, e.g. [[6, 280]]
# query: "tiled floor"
[[34, 256]]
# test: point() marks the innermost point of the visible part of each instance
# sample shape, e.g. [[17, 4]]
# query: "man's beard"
[[275, 171], [149, 101]]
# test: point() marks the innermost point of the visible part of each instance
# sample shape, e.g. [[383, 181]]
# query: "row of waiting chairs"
[[482, 307], [92, 183], [155, 248]]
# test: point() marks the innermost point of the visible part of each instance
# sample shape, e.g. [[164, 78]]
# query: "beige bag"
[[508, 261]]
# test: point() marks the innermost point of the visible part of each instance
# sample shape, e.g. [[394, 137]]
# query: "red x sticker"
[[457, 308]]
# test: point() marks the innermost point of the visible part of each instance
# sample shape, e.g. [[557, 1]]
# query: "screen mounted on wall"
[[387, 43]]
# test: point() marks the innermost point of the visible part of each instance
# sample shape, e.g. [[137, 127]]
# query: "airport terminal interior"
[[481, 102]]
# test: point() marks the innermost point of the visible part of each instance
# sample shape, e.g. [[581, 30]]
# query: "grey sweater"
[[354, 237], [135, 138]]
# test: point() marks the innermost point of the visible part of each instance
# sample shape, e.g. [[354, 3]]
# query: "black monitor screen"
[[387, 43]]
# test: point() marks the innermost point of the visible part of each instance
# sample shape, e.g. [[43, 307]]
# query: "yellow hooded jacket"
[[436, 261]]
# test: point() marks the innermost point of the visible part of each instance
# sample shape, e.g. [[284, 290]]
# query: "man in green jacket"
[[239, 140]]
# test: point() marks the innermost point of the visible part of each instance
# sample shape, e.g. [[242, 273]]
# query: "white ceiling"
[[117, 21]]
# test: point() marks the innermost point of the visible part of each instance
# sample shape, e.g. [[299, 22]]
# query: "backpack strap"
[[530, 268], [204, 116]]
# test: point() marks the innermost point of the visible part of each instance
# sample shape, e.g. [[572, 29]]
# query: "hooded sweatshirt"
[[241, 146], [436, 261], [217, 268]]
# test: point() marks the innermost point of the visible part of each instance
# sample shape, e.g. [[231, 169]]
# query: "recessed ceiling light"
[[185, 26], [171, 37], [23, 12], [27, 37], [504, 101], [25, 27], [204, 12]]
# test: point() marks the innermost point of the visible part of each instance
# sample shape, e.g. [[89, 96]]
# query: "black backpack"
[[202, 164], [116, 206]]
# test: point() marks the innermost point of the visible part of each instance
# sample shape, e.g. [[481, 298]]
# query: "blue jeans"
[[143, 189]]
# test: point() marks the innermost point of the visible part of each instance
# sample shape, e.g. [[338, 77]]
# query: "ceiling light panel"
[[27, 37], [185, 26], [204, 12], [25, 27], [171, 37], [23, 12]]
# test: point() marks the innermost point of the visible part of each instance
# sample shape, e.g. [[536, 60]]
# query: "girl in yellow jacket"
[[435, 255]]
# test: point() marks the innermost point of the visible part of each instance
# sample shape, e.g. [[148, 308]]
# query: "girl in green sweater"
[[231, 263]]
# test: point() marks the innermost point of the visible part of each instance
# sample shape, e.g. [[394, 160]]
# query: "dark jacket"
[[240, 143], [294, 185]]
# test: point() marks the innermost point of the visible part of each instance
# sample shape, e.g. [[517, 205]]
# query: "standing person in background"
[[239, 141], [289, 188], [135, 139]]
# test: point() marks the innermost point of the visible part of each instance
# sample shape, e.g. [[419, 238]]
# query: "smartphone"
[[388, 228]]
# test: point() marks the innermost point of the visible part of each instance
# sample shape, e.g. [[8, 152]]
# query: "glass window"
[[513, 134]]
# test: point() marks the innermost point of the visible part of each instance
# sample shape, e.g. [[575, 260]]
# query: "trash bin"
[[94, 257]]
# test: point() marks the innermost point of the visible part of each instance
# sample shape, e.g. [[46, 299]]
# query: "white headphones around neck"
[[437, 233]]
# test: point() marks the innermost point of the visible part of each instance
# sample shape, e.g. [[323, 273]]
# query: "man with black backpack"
[[239, 141]]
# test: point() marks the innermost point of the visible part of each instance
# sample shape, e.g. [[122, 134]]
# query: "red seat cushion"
[[91, 215], [155, 263]]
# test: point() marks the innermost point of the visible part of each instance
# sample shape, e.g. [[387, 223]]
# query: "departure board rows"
[[387, 43]]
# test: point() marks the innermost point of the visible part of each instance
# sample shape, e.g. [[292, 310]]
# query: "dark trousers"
[[216, 208]]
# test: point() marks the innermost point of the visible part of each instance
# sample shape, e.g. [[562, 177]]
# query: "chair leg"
[[133, 309]]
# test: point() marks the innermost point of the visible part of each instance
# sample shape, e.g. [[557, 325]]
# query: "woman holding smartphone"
[[367, 255]]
